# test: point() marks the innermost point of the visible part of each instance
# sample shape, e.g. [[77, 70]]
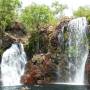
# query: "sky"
[[72, 4]]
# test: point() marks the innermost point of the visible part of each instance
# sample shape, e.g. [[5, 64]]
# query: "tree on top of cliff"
[[37, 16], [83, 11], [58, 8], [8, 12]]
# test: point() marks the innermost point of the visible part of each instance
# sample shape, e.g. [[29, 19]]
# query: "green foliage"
[[37, 43], [36, 16], [58, 8], [31, 48], [7, 12], [83, 11], [1, 51]]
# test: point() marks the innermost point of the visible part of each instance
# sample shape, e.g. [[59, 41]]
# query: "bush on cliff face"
[[1, 52], [33, 45]]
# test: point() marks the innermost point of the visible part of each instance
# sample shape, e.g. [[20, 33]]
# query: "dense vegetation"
[[36, 18], [8, 13]]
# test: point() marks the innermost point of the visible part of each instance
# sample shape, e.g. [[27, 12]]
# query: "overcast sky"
[[72, 4]]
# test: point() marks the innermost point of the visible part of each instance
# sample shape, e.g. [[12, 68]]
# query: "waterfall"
[[75, 52], [13, 64], [77, 49]]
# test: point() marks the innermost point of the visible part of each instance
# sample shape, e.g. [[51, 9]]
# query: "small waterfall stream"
[[13, 64]]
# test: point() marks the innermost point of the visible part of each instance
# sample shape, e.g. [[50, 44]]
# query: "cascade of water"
[[13, 64], [77, 49]]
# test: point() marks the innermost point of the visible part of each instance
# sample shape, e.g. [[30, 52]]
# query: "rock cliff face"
[[40, 70], [46, 64], [87, 69]]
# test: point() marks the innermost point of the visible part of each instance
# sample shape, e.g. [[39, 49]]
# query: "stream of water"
[[13, 65]]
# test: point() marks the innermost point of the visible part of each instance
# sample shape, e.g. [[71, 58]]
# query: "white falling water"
[[13, 64], [78, 49]]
